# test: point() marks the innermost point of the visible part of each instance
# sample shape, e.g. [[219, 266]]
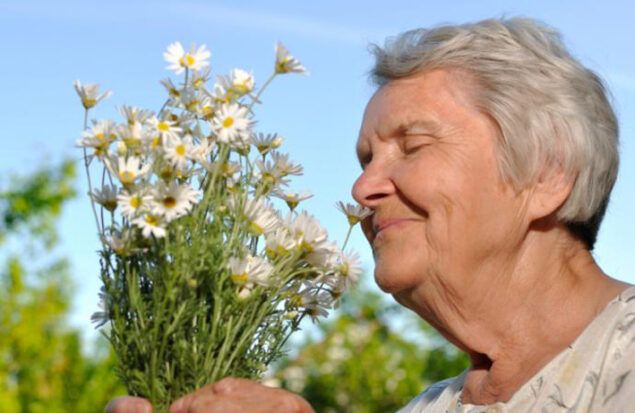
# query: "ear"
[[549, 191]]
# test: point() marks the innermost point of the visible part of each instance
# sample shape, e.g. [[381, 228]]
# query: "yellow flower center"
[[281, 65], [88, 102], [100, 136], [169, 202], [344, 270], [180, 150], [156, 142], [152, 220], [188, 60], [228, 122], [255, 229], [163, 126], [166, 173], [126, 177], [192, 105], [239, 278], [135, 202]]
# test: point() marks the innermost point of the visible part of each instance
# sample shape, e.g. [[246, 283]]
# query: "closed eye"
[[364, 159], [413, 143]]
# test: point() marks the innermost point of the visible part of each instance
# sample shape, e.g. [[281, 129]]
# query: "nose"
[[373, 185]]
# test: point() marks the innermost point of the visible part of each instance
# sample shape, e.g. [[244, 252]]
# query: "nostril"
[[373, 197]]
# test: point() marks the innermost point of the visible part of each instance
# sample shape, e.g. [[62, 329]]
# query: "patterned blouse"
[[592, 375]]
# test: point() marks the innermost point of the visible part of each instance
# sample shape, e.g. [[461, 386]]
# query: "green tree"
[[42, 366], [360, 365]]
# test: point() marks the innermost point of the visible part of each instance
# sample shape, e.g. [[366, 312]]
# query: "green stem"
[[348, 234], [262, 89], [90, 186]]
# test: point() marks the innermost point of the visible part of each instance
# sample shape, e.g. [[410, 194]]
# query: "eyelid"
[[409, 146]]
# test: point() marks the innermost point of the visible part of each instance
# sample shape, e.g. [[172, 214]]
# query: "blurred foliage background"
[[368, 357]]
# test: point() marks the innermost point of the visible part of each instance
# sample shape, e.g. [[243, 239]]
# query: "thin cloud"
[[252, 19], [159, 13]]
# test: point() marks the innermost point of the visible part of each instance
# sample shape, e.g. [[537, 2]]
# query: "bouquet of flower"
[[204, 275]]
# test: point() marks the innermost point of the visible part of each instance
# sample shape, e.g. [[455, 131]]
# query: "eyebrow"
[[429, 124]]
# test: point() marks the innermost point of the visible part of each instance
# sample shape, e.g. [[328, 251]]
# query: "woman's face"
[[430, 174]]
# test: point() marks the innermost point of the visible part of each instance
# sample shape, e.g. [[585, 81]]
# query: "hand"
[[129, 404], [229, 395]]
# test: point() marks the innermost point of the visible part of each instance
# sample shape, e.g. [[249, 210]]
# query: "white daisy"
[[201, 152], [348, 270], [133, 114], [279, 242], [133, 202], [195, 59], [106, 197], [173, 90], [265, 143], [250, 269], [269, 175], [178, 151], [127, 169], [132, 135], [307, 231], [200, 78], [293, 198], [260, 216], [239, 81], [323, 256], [231, 124], [285, 63], [315, 302], [354, 213], [220, 95], [121, 242], [150, 225], [173, 201], [284, 165], [89, 94], [166, 129], [98, 137]]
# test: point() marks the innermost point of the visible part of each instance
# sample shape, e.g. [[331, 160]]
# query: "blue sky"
[[119, 44]]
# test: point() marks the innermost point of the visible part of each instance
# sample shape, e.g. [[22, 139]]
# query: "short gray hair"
[[549, 108]]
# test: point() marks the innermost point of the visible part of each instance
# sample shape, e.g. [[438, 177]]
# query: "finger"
[[225, 386], [183, 404], [231, 385], [129, 404]]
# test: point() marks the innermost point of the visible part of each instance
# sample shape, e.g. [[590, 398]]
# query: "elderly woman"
[[488, 157]]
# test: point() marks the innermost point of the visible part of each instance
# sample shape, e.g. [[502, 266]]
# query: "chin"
[[391, 281]]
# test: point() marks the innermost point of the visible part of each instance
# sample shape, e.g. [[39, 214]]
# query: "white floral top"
[[592, 375]]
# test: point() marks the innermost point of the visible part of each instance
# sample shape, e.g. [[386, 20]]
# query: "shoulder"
[[617, 378], [435, 395]]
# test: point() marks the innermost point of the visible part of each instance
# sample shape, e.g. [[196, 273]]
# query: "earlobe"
[[550, 191]]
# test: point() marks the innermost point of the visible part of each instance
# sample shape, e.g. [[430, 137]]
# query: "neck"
[[505, 320]]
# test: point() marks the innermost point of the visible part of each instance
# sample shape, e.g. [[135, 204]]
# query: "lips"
[[384, 224]]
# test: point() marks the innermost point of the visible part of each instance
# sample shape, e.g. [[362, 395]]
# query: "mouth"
[[384, 225]]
